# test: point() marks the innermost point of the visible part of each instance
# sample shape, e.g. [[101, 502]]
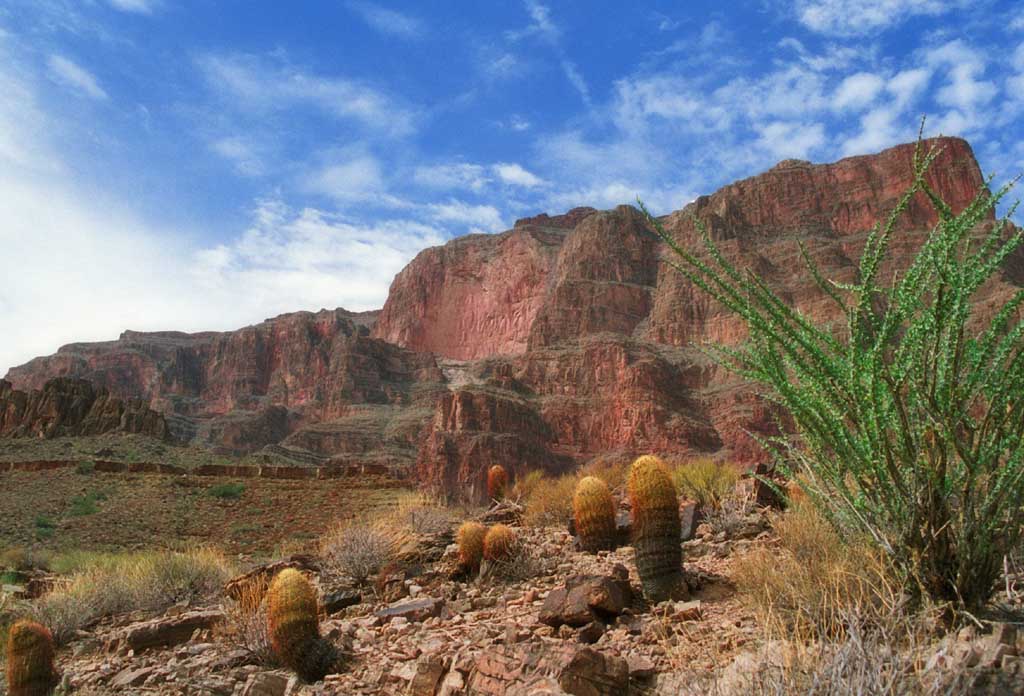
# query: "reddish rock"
[[542, 347], [67, 406]]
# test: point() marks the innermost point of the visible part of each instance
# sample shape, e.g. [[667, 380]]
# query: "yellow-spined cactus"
[[470, 539], [30, 670], [656, 527], [594, 513], [293, 622], [497, 482], [500, 543]]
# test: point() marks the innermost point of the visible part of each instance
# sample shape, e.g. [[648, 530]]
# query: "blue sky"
[[193, 165]]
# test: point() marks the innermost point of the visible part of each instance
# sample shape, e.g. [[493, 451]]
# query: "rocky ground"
[[558, 621]]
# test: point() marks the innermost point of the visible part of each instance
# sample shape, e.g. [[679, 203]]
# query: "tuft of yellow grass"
[[814, 581], [106, 584], [549, 502], [705, 481]]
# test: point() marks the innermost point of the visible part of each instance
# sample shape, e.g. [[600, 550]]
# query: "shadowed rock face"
[[562, 339], [68, 406]]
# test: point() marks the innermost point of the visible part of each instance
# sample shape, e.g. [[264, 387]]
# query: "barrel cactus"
[[594, 513], [656, 528], [293, 622], [497, 482], [30, 670], [470, 539], [500, 543]]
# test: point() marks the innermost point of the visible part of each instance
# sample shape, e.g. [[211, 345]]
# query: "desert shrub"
[[150, 580], [421, 514], [82, 505], [909, 418], [85, 468], [610, 470], [549, 503], [814, 581], [526, 485], [731, 515], [45, 527], [356, 551], [706, 482], [245, 624], [20, 558], [227, 491]]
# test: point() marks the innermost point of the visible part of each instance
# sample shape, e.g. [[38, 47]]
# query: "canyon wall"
[[563, 339]]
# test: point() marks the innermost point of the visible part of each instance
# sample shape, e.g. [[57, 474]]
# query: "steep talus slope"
[[560, 340]]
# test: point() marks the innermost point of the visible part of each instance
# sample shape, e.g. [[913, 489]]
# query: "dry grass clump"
[[420, 513], [814, 582], [549, 502], [611, 471], [705, 481], [358, 551], [113, 584]]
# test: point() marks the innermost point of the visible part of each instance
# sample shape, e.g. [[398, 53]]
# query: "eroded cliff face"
[[560, 340], [68, 406]]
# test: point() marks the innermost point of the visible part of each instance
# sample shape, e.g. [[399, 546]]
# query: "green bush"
[[45, 527], [227, 491], [909, 419]]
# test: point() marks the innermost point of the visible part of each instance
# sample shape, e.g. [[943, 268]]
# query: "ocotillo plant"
[[497, 482], [30, 670], [594, 513], [294, 625], [657, 530], [909, 415], [470, 539]]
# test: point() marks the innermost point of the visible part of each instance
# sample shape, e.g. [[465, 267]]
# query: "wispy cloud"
[[267, 85], [451, 176], [478, 218], [139, 6], [69, 74], [388, 21], [544, 28], [858, 17], [241, 153]]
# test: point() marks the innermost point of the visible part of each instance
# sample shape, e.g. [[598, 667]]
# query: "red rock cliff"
[[562, 339]]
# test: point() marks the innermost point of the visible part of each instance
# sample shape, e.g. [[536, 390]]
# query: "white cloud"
[[542, 26], [139, 6], [388, 21], [857, 17], [518, 123], [786, 140], [479, 218], [241, 153], [269, 87], [516, 175], [451, 176], [577, 80], [857, 91], [66, 72], [349, 179]]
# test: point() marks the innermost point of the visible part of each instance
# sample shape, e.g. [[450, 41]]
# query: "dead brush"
[[245, 623], [358, 551], [522, 562], [422, 514]]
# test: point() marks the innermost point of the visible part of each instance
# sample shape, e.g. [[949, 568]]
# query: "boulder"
[[585, 599]]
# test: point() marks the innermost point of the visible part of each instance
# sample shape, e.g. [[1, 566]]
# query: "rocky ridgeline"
[[563, 621], [545, 346]]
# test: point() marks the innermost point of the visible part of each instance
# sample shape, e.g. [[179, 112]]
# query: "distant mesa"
[[555, 342]]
